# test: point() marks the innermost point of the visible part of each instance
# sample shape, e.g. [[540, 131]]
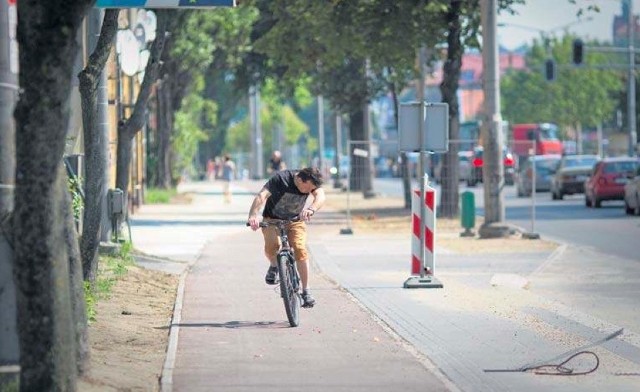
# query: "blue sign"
[[164, 3]]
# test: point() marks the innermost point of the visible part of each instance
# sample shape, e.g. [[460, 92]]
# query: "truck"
[[544, 136]]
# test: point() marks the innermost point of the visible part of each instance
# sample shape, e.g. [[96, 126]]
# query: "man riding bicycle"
[[285, 195]]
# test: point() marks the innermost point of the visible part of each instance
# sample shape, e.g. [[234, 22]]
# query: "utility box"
[[116, 201], [468, 213]]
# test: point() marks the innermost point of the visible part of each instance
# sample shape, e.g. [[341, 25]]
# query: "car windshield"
[[620, 167], [580, 161]]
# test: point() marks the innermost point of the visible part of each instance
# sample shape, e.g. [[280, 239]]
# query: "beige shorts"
[[297, 234]]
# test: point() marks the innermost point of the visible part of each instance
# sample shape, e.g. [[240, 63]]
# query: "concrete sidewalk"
[[230, 331]]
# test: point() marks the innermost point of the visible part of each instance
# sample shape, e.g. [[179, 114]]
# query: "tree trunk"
[[47, 37], [404, 172], [359, 178], [76, 286], [165, 127], [449, 87], [128, 128], [123, 160], [96, 159]]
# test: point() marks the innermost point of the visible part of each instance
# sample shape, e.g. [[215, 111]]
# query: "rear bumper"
[[609, 194], [572, 187]]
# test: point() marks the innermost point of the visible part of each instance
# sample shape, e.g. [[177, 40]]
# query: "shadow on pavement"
[[237, 324]]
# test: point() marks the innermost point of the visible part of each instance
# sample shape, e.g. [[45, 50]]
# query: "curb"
[[166, 379]]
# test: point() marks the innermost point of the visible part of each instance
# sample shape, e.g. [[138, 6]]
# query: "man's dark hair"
[[311, 174]]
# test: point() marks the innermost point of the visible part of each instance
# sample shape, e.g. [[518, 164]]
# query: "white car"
[[632, 194]]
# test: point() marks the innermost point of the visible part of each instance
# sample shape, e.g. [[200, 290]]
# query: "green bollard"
[[468, 213]]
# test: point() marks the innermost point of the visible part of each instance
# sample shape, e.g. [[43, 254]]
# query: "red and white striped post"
[[423, 255]]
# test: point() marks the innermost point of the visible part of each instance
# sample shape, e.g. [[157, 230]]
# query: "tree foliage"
[[200, 65], [274, 114], [196, 115]]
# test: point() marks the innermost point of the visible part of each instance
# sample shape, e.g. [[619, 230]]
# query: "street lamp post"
[[631, 89]]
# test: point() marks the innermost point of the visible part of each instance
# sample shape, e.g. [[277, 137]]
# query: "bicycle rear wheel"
[[287, 290]]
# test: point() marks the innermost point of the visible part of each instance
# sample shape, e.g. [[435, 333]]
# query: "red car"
[[608, 179]]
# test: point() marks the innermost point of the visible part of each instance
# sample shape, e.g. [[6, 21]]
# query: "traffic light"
[[550, 70], [578, 51]]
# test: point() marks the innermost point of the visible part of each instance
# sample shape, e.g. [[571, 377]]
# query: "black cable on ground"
[[562, 370], [546, 368]]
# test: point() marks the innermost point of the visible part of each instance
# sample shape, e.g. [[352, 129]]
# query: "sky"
[[551, 16]]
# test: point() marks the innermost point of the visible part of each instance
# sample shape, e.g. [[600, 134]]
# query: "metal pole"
[[259, 150], [533, 193], [8, 98], [321, 134], [9, 349], [256, 132], [348, 229], [532, 155], [94, 25], [337, 183], [493, 166], [600, 146], [631, 93], [421, 162]]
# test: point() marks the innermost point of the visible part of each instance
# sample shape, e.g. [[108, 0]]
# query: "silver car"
[[632, 194], [573, 171], [545, 167]]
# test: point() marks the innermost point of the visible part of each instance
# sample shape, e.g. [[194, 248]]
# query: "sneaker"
[[308, 300], [272, 275]]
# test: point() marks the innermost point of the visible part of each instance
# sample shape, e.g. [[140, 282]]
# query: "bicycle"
[[287, 271]]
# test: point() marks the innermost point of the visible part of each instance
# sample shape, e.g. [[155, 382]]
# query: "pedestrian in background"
[[211, 170], [276, 163], [228, 173]]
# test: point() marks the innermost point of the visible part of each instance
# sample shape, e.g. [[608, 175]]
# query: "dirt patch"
[[129, 337], [388, 215], [181, 198]]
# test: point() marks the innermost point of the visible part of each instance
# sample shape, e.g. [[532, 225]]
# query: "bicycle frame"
[[289, 277]]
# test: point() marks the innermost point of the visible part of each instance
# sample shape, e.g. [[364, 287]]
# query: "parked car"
[[464, 166], [608, 179], [477, 162], [545, 166], [632, 194], [572, 172]]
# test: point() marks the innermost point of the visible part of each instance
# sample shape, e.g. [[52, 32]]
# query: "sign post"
[[423, 127], [164, 3]]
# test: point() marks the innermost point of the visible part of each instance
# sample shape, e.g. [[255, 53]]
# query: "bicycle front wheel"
[[288, 292]]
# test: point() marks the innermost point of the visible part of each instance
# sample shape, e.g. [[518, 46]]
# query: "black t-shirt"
[[275, 165], [286, 201]]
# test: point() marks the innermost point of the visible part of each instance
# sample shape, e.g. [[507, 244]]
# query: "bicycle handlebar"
[[276, 222]]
